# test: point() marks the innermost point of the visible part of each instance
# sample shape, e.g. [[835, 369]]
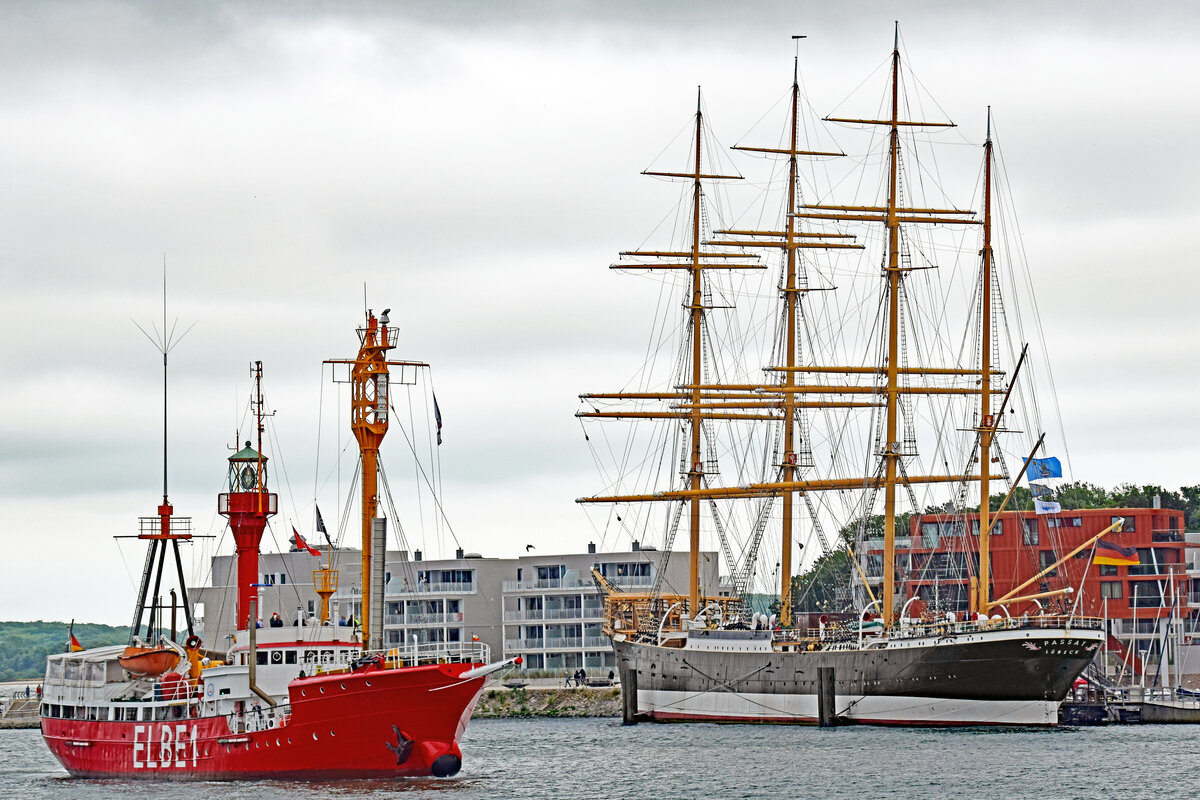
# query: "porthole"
[[277, 743], [343, 687], [303, 693], [331, 733], [368, 683], [322, 690], [314, 736]]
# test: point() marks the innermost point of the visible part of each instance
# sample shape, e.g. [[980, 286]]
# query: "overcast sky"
[[475, 166]]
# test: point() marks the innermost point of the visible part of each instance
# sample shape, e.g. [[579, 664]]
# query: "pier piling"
[[826, 697]]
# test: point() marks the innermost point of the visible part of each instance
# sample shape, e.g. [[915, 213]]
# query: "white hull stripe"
[[802, 708]]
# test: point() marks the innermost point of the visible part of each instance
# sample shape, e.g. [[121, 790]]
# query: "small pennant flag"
[[73, 643], [321, 526], [1040, 469], [303, 545], [1115, 555], [437, 417], [1046, 507]]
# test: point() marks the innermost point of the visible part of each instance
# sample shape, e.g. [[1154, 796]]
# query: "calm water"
[[599, 758]]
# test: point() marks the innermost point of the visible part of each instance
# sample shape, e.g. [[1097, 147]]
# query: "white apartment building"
[[546, 609]]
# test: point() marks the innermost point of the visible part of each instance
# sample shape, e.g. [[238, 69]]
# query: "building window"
[[1064, 522], [931, 534], [550, 573], [637, 569], [1146, 594], [1045, 559], [1150, 562], [1111, 589], [1128, 526], [1108, 569], [1029, 526]]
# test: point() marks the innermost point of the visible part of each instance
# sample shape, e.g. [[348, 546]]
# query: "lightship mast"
[[370, 381]]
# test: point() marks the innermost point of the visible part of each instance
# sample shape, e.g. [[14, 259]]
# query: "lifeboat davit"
[[148, 660]]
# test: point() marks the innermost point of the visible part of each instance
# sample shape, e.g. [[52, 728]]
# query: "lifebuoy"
[[192, 642]]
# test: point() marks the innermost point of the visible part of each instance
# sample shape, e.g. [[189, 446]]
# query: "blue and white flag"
[[1046, 507], [1041, 468]]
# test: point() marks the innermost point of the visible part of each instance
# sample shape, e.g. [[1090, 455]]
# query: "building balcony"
[[423, 619], [398, 589], [564, 613], [632, 581], [541, 584], [596, 642], [584, 584], [522, 615], [564, 643], [434, 619], [548, 643]]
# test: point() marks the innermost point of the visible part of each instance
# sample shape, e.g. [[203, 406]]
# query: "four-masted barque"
[[705, 656]]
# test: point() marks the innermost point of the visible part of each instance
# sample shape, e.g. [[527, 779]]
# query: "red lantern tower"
[[247, 505]]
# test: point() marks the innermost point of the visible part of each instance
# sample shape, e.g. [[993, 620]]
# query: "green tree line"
[[25, 645]]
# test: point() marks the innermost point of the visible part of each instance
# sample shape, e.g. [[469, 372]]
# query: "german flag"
[[1115, 555]]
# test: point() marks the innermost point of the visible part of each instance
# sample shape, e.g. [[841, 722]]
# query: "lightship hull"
[[375, 724], [1010, 677]]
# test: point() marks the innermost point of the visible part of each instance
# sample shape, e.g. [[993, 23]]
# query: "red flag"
[[303, 545]]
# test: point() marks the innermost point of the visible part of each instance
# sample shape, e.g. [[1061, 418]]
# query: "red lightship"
[[303, 701]]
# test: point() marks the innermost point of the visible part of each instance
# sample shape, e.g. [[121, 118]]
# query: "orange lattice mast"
[[369, 382]]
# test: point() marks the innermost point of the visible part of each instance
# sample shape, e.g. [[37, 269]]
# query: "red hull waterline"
[[370, 724]]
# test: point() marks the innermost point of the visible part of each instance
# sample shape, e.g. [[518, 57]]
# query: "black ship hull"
[[987, 677]]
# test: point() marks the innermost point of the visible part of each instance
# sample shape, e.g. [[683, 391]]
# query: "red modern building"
[[937, 561]]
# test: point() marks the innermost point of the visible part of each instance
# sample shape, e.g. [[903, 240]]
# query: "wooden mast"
[[691, 395], [789, 376], [891, 447], [791, 293], [696, 464], [987, 423]]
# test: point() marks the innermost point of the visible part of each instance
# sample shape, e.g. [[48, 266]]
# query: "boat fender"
[[192, 642]]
